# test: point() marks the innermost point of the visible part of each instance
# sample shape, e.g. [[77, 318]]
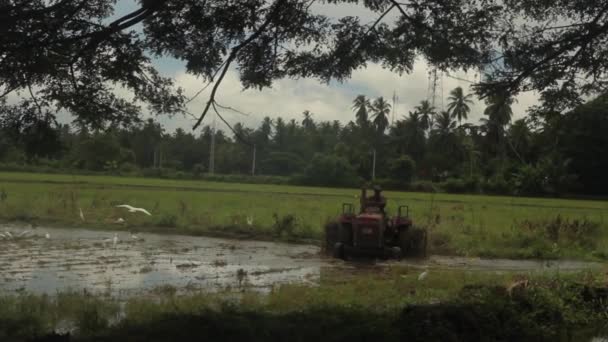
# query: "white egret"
[[23, 233], [134, 236], [115, 240], [119, 220], [134, 209], [423, 275], [47, 236], [81, 214], [250, 220], [8, 234]]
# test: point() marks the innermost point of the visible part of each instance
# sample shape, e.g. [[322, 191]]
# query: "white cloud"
[[288, 98]]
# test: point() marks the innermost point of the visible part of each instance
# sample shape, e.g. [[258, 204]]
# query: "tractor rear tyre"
[[413, 242], [338, 251], [332, 236]]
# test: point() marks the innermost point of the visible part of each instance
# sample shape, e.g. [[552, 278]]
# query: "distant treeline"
[[544, 153]]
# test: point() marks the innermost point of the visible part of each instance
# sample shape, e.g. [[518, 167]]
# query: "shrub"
[[459, 185], [167, 221], [328, 170], [402, 169], [496, 185], [284, 226], [423, 186]]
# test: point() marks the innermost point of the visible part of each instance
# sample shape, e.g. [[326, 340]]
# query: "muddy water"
[[86, 260], [82, 259]]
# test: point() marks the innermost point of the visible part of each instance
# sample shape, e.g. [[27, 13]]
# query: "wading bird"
[[8, 234], [250, 220], [81, 214], [47, 236], [23, 233], [119, 220], [115, 240], [133, 209], [423, 275], [134, 236]]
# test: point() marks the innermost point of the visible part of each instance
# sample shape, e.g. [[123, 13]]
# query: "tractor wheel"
[[338, 251], [413, 242], [396, 253], [332, 236]]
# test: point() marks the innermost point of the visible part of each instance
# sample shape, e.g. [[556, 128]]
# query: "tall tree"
[[427, 114], [459, 103], [499, 109], [70, 53], [381, 111], [308, 122], [499, 114], [361, 105]]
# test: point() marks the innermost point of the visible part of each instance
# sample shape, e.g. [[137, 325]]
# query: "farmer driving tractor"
[[374, 203]]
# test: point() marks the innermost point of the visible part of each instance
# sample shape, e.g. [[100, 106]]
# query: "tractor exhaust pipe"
[[362, 199]]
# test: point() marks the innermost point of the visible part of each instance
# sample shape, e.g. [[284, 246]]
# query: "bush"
[[284, 226], [402, 169], [328, 170], [496, 185], [282, 163], [167, 221], [423, 186], [459, 185], [128, 168]]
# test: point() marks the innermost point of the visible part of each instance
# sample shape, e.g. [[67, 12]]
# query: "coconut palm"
[[499, 114], [361, 105], [444, 123], [499, 109], [381, 111], [308, 122], [427, 114], [459, 103]]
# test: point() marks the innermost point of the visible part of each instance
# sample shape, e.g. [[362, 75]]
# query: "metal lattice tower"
[[435, 87], [212, 148]]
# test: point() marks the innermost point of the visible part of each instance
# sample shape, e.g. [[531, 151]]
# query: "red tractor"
[[372, 232]]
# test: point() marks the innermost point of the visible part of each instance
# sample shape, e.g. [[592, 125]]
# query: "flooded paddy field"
[[123, 264]]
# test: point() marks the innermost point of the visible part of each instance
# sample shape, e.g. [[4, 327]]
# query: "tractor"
[[372, 232]]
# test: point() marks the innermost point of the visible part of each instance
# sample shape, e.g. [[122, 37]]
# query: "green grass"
[[471, 225]]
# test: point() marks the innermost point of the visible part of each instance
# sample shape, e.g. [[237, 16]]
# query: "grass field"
[[471, 225]]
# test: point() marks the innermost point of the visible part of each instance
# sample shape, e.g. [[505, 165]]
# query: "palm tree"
[[499, 114], [444, 123], [381, 110], [360, 106], [499, 109], [427, 113], [307, 122], [459, 104], [414, 137]]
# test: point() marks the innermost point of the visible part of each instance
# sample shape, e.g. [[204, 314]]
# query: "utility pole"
[[374, 165], [212, 148], [253, 164], [395, 99], [160, 156]]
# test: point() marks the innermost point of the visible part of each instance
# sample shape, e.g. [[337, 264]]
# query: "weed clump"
[[583, 233], [167, 221]]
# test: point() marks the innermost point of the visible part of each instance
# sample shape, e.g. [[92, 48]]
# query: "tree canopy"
[[72, 55]]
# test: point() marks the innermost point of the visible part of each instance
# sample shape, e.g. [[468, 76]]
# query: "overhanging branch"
[[233, 54]]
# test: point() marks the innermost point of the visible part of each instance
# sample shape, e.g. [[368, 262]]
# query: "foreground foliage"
[[484, 308]]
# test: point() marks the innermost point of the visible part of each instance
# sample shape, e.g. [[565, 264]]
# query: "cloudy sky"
[[288, 98]]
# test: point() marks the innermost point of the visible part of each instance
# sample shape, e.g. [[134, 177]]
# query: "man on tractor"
[[375, 203]]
